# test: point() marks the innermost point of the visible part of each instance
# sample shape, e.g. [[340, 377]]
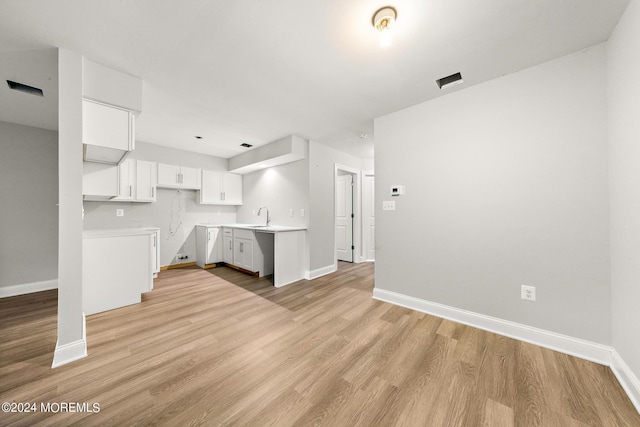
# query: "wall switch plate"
[[301, 212], [290, 212], [119, 212], [528, 293], [389, 205]]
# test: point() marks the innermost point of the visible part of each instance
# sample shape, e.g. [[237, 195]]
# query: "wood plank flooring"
[[217, 347]]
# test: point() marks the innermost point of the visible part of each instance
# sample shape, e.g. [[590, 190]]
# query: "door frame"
[[365, 241], [357, 212]]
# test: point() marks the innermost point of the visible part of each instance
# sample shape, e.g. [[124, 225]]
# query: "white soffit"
[[286, 150]]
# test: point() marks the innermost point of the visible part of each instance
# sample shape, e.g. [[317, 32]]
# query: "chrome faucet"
[[268, 217]]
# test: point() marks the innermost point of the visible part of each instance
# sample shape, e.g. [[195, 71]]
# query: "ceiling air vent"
[[25, 88], [452, 80], [244, 144]]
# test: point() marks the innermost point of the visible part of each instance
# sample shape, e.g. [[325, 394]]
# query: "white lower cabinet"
[[117, 267], [227, 249], [155, 252], [208, 245], [243, 253], [242, 250]]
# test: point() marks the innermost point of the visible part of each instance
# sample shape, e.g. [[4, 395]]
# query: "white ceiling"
[[254, 71]]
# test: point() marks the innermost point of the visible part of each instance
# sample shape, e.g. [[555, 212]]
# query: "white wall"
[[175, 212], [280, 189], [29, 214], [506, 185], [623, 58], [322, 161]]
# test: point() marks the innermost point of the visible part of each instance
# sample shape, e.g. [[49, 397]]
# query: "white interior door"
[[344, 217], [369, 219]]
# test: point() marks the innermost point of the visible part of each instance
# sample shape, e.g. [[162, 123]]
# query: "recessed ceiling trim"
[[20, 87]]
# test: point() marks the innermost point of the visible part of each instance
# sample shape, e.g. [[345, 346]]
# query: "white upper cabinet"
[[171, 176], [221, 188], [146, 176], [126, 181], [130, 181], [108, 132]]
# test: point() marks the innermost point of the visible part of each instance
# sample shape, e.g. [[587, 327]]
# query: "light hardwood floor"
[[219, 347]]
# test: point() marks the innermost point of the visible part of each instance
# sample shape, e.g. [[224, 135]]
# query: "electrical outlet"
[[290, 212], [301, 212], [389, 205], [528, 293], [119, 212]]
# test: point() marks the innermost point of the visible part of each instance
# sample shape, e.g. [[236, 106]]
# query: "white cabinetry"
[[243, 251], [126, 180], [171, 176], [146, 177], [243, 245], [221, 188], [108, 132], [130, 181], [155, 252], [208, 245], [227, 240], [120, 278]]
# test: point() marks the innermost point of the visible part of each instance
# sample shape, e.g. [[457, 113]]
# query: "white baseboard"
[[583, 349], [28, 288], [73, 351], [628, 380], [319, 272]]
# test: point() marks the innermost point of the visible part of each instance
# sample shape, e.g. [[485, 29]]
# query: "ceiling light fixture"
[[383, 20]]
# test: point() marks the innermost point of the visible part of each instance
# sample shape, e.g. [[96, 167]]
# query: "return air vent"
[[25, 88], [452, 80], [244, 144]]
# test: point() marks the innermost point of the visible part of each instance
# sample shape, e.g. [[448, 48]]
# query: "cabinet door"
[[243, 253], [232, 188], [227, 250], [126, 180], [168, 175], [212, 245], [145, 181], [190, 178], [211, 191], [155, 254]]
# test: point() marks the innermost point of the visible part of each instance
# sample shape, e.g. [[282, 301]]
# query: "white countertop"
[[116, 232], [260, 228]]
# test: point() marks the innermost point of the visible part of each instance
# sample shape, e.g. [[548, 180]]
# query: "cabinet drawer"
[[227, 232], [240, 233]]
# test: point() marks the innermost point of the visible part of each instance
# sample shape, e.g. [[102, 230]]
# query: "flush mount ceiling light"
[[383, 20]]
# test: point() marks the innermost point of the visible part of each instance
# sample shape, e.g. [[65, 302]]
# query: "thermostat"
[[397, 190]]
